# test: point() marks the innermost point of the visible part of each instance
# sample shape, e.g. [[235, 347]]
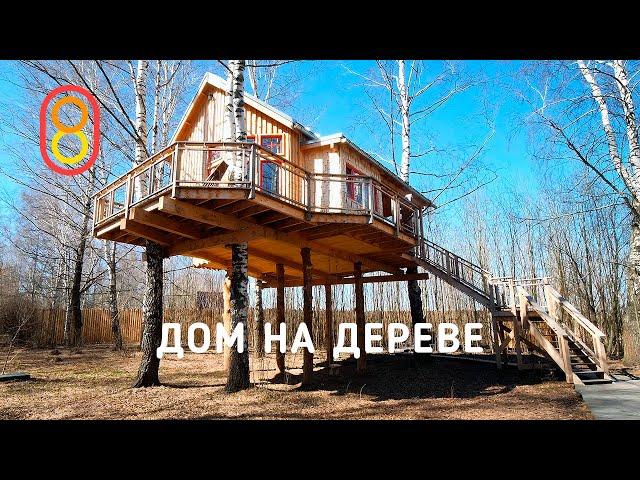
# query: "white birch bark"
[[612, 143], [156, 108], [239, 118], [141, 110], [620, 73], [406, 122]]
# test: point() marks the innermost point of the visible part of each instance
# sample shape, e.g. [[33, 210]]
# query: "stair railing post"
[[601, 354], [516, 322], [494, 327], [566, 356]]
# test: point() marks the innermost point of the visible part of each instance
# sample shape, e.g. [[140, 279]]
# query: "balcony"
[[199, 172]]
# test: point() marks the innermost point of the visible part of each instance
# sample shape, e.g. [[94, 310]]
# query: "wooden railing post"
[[174, 173], [127, 196], [371, 197], [397, 213], [601, 353], [252, 172], [566, 356], [512, 297]]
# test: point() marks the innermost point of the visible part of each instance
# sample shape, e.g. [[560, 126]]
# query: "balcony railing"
[[248, 166]]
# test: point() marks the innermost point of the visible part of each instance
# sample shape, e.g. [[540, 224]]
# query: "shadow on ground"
[[396, 377]]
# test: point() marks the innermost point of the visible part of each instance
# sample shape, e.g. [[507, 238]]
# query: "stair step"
[[590, 375], [584, 365], [596, 381]]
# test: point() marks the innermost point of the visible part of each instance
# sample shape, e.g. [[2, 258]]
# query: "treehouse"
[[282, 189], [320, 210]]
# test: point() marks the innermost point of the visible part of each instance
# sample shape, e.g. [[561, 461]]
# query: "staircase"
[[527, 313]]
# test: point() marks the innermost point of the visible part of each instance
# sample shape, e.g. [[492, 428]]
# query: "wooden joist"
[[162, 222], [245, 230]]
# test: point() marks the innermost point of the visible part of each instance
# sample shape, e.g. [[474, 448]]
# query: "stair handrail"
[[598, 352], [562, 357], [573, 311]]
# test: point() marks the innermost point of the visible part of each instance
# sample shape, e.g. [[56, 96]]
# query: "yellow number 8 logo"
[[69, 130]]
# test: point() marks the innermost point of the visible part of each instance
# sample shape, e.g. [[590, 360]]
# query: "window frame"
[[274, 135]]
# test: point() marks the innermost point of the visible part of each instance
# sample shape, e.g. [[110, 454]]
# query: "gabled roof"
[[341, 138], [252, 101], [309, 137]]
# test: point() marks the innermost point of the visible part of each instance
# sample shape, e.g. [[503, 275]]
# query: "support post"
[[259, 320], [307, 313], [328, 326], [494, 326], [517, 335], [361, 365], [496, 341], [279, 312], [226, 315]]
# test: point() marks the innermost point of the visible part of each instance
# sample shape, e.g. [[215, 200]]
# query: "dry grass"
[[95, 384]]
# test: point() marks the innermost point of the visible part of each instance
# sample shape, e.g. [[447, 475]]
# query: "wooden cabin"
[[284, 188]]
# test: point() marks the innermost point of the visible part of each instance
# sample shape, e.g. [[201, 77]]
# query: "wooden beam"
[[164, 223], [255, 252], [307, 314], [328, 323], [351, 280], [184, 247], [108, 229], [219, 263], [254, 210], [271, 218], [361, 364], [279, 313], [201, 214], [229, 222], [145, 231], [206, 193]]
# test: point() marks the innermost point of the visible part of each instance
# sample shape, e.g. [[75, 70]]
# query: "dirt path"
[[96, 384]]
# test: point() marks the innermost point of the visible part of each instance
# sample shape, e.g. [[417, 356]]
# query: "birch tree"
[[238, 374], [588, 109], [403, 96]]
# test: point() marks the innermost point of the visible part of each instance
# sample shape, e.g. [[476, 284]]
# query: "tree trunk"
[[226, 317], [307, 293], [110, 255], [141, 109], [631, 328], [238, 377], [279, 312], [406, 123], [74, 311], [151, 317], [259, 316]]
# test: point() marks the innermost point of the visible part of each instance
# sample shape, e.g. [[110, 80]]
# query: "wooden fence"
[[49, 327]]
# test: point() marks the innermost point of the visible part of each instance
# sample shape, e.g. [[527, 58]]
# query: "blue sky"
[[339, 101]]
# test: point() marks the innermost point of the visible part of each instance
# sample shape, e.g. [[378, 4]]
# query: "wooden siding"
[[207, 124]]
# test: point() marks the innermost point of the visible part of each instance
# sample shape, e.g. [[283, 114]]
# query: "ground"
[[95, 384]]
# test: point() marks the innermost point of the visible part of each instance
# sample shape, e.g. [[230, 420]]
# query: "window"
[[272, 143], [269, 176], [354, 188]]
